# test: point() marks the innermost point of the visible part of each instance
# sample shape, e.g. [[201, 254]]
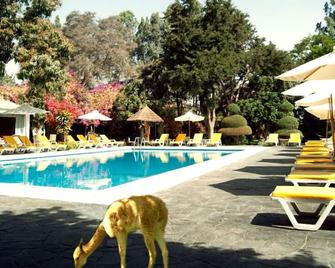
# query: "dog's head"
[[79, 256]]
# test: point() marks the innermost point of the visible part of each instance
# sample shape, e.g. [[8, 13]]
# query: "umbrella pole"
[[327, 127], [189, 128], [332, 121]]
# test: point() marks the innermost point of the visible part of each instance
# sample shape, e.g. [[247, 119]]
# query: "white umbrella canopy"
[[310, 87], [94, 115], [320, 111], [190, 117], [322, 68], [318, 98]]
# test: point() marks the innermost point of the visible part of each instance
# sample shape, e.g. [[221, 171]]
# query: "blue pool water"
[[101, 170]]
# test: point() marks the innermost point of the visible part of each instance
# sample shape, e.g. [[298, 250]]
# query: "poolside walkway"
[[222, 219]]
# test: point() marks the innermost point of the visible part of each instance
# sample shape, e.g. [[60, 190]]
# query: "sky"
[[283, 22]]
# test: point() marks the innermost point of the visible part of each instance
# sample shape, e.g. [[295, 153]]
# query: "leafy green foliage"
[[234, 121], [149, 38], [14, 15], [236, 131], [233, 108], [102, 47], [288, 122], [286, 107], [42, 53]]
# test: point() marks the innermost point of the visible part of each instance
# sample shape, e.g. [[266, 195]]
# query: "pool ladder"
[[139, 141]]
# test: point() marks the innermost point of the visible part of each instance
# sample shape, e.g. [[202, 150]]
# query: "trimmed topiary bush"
[[288, 122], [236, 131], [234, 121], [286, 107], [233, 109]]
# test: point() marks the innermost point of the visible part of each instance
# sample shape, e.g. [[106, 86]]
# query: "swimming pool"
[[91, 191], [102, 170]]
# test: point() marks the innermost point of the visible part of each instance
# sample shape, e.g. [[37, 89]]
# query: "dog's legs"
[[162, 244], [150, 244], [122, 245]]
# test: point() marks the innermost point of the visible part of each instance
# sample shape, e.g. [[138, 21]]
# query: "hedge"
[[234, 121], [285, 133], [236, 131], [288, 122]]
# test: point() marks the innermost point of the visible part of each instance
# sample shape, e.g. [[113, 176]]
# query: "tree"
[[262, 109], [43, 52], [102, 48], [329, 28], [225, 34], [149, 38], [13, 16]]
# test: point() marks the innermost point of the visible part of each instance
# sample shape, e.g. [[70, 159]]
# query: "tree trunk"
[[211, 120], [147, 131]]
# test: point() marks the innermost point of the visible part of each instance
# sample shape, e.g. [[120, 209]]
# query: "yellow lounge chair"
[[295, 139], [179, 140], [161, 141], [95, 140], [313, 165], [28, 144], [272, 139], [43, 141], [197, 139], [4, 149], [70, 140], [215, 140], [290, 195], [12, 143], [83, 140], [299, 176]]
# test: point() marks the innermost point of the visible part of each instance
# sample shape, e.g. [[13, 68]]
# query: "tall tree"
[[149, 38], [103, 47], [13, 15], [329, 27], [226, 32]]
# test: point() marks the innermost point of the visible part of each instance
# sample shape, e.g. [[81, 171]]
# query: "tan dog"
[[145, 213]]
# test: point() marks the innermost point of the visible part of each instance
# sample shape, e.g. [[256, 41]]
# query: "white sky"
[[284, 22]]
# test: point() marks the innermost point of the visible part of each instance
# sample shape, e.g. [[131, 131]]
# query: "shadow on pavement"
[[281, 221], [46, 238], [279, 161], [251, 187], [267, 170]]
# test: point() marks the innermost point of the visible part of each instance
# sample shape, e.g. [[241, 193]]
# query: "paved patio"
[[223, 219]]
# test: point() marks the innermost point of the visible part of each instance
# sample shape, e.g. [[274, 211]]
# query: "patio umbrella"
[[320, 111], [146, 115], [309, 87], [190, 117], [322, 68], [318, 98], [94, 115]]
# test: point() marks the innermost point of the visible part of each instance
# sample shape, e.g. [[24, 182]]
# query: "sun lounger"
[[179, 140], [161, 141], [272, 139], [289, 196], [295, 139], [4, 149], [70, 140], [28, 144], [95, 140], [299, 176], [215, 140], [43, 141], [83, 140], [197, 139], [317, 166], [12, 143]]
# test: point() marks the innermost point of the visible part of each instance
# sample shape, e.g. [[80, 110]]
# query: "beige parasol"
[[146, 115], [190, 117]]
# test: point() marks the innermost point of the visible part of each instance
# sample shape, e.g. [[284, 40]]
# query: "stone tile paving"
[[223, 219]]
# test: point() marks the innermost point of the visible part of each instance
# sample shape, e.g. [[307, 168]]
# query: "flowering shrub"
[[14, 93], [62, 114]]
